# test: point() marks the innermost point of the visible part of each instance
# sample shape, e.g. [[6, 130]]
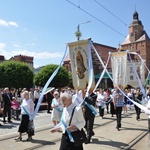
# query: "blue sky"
[[41, 28]]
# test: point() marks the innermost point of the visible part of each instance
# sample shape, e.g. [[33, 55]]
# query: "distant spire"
[[136, 15]]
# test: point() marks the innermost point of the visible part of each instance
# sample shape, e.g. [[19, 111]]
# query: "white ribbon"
[[146, 110]]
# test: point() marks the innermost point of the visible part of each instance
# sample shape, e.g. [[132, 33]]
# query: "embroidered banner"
[[81, 64], [131, 77], [119, 67]]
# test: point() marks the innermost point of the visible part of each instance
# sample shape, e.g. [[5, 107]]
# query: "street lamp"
[[78, 33]]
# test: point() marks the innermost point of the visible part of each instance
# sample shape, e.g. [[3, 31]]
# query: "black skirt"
[[67, 145], [24, 124]]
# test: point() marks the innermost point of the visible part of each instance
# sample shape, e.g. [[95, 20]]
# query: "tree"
[[15, 74], [60, 80]]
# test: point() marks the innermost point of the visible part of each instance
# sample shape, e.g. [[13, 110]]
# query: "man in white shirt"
[[36, 96]]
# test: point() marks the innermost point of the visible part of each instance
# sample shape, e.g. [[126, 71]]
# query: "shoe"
[[29, 139], [87, 142], [1, 124], [4, 121], [18, 139], [138, 117], [10, 122], [92, 134], [118, 128]]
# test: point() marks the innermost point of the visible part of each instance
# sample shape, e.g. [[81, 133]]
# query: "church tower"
[[137, 40], [136, 28]]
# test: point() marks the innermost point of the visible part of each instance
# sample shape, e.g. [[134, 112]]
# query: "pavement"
[[133, 135]]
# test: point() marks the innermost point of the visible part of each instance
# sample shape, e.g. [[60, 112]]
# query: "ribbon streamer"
[[47, 84], [137, 104]]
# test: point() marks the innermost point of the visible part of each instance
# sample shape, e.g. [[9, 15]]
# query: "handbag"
[[79, 136], [30, 128]]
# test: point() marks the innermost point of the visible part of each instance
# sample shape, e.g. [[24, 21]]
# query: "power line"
[[111, 12], [95, 18]]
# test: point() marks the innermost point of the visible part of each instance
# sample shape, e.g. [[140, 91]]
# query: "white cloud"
[[41, 58], [37, 55], [10, 23], [13, 23]]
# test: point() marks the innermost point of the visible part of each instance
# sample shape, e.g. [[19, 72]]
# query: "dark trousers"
[[118, 115], [48, 106], [7, 113], [67, 145], [89, 127], [35, 102], [101, 111], [138, 111], [107, 107]]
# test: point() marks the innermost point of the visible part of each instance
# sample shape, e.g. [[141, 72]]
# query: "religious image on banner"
[[80, 69], [79, 58], [119, 65], [131, 76]]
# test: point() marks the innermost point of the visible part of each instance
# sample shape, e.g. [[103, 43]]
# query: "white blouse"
[[28, 105], [77, 119]]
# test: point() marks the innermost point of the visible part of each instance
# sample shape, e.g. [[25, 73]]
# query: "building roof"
[[143, 37]]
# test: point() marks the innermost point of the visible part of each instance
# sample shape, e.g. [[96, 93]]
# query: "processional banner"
[[80, 57], [131, 76], [119, 67]]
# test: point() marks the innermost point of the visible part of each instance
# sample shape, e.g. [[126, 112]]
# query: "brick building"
[[23, 58]]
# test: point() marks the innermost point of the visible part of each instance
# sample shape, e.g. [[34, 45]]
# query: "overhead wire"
[[110, 12], [95, 18]]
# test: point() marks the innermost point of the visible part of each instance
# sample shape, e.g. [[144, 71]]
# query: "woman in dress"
[[77, 122], [27, 110], [101, 100], [57, 108]]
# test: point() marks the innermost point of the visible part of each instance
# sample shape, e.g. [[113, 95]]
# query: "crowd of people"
[[11, 100], [60, 105]]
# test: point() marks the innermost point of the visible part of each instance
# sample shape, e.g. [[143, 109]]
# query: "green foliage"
[[15, 74], [60, 80]]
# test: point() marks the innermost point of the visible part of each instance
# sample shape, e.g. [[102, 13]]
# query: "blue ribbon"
[[47, 84], [92, 108], [26, 111], [68, 132], [56, 107]]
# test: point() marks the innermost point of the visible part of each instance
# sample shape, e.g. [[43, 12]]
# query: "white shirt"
[[101, 100], [36, 94], [28, 105], [77, 119]]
